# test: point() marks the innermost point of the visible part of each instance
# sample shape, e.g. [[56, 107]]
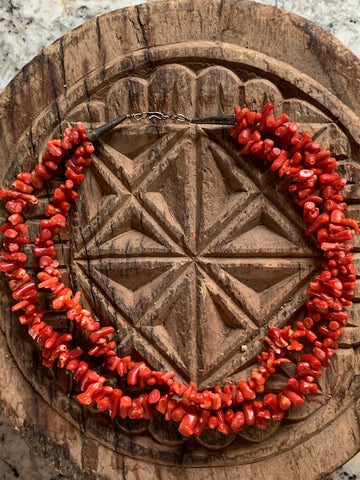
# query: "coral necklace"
[[315, 188]]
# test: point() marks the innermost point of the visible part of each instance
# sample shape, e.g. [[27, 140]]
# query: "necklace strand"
[[315, 188]]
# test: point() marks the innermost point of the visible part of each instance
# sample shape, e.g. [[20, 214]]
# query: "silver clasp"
[[178, 117]]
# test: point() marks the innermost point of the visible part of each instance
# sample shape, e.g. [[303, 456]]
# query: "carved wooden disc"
[[190, 250]]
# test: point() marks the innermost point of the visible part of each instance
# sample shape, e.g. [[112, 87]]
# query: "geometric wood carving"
[[190, 250]]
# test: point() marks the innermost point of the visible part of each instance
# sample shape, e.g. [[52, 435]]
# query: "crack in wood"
[[143, 32]]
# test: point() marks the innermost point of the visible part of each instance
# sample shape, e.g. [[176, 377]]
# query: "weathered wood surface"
[[188, 249]]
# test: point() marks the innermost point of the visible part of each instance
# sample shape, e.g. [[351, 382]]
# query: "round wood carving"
[[190, 250]]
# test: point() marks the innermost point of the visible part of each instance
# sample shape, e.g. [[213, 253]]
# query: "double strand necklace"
[[315, 188]]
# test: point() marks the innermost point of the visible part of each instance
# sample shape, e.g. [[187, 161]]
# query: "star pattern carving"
[[190, 252]]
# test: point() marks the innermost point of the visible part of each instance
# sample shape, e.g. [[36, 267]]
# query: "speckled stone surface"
[[28, 25]]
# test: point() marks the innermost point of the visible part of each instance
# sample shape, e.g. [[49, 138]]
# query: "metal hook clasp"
[[157, 116], [137, 116], [178, 117]]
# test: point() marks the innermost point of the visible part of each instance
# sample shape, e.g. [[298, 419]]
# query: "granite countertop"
[[26, 27]]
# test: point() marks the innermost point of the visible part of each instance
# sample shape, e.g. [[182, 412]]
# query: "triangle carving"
[[144, 346], [260, 276], [170, 194], [135, 278], [132, 286], [168, 326], [129, 143], [225, 188], [131, 153], [261, 286], [260, 229], [223, 326], [131, 231]]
